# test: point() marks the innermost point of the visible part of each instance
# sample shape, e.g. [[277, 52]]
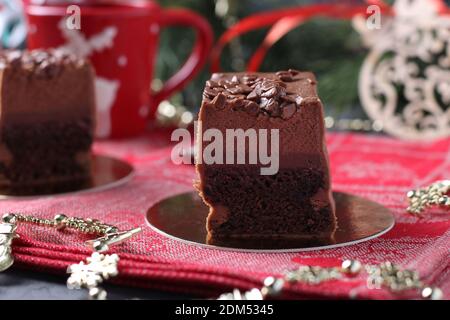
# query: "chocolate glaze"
[[242, 202]]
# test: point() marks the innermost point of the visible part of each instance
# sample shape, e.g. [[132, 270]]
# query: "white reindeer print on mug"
[[106, 89]]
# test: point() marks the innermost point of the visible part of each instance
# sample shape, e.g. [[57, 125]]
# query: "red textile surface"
[[379, 168]]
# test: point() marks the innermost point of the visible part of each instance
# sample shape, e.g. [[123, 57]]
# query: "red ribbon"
[[284, 20]]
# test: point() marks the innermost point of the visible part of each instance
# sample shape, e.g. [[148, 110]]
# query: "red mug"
[[120, 38]]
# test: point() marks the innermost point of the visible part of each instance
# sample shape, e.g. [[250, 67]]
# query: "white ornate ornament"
[[405, 79]]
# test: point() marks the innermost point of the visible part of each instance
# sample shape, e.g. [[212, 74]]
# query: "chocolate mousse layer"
[[47, 119], [295, 202]]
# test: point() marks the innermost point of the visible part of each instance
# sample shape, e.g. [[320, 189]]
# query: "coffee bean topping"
[[288, 110], [251, 107], [219, 101], [256, 94], [41, 63], [288, 76], [253, 96]]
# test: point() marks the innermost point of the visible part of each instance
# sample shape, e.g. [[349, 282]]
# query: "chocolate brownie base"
[[47, 156], [249, 205]]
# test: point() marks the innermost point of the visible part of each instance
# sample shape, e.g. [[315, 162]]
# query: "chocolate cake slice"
[[47, 118], [294, 203]]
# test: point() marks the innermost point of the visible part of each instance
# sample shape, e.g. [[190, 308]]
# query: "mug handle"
[[198, 57]]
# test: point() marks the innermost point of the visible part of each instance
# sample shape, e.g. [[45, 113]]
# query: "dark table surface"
[[28, 285]]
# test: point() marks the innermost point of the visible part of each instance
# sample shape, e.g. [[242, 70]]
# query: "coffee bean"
[[211, 84], [266, 85], [39, 56], [252, 108], [281, 73], [234, 90], [240, 89], [264, 102], [229, 85], [273, 108], [210, 92], [270, 93], [47, 69], [240, 96], [253, 96], [288, 110], [238, 103], [219, 101], [286, 78], [14, 58], [245, 88], [222, 83]]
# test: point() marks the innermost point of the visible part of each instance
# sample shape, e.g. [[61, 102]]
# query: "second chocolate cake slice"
[[47, 119], [292, 202]]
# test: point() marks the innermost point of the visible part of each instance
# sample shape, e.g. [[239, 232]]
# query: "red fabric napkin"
[[379, 168]]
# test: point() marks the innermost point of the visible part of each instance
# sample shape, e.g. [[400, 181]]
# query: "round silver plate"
[[183, 217], [106, 173]]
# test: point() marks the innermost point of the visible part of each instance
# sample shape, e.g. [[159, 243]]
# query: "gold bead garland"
[[99, 267], [434, 195], [385, 275]]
